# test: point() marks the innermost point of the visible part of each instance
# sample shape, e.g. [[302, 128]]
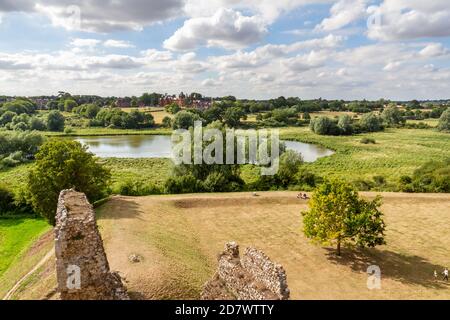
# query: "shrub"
[[64, 164], [21, 126], [183, 184], [6, 201], [137, 188], [368, 141]]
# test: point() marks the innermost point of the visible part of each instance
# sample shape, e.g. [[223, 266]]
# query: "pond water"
[[160, 146]]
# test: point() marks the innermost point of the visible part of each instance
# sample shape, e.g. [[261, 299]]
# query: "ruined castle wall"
[[82, 267], [265, 271], [254, 277]]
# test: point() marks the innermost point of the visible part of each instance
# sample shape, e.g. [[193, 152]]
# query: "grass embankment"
[[20, 249], [179, 238]]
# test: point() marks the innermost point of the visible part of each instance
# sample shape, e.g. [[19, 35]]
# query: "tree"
[[167, 122], [338, 216], [290, 162], [70, 104], [64, 164], [55, 121], [185, 120], [232, 116], [444, 121], [173, 108], [324, 126], [37, 124], [345, 125], [370, 122], [392, 116]]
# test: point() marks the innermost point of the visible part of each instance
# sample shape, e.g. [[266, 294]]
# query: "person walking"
[[445, 275], [435, 275]]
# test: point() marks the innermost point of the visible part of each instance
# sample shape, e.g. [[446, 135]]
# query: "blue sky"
[[247, 48]]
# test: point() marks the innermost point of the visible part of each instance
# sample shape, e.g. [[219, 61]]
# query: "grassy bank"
[[16, 235]]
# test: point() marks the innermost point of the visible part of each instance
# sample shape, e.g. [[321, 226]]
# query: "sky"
[[255, 49]]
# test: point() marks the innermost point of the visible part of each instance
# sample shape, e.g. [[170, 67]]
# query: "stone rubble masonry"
[[78, 243], [252, 277]]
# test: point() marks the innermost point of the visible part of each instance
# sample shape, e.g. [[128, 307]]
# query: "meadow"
[[397, 152]]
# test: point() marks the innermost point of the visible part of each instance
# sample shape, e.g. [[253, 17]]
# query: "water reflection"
[[160, 146]]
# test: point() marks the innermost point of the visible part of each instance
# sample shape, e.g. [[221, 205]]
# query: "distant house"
[[123, 102]]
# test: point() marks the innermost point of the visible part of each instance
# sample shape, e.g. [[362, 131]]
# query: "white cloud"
[[410, 19], [343, 13], [226, 28], [434, 50], [98, 16], [301, 63], [80, 43], [117, 44]]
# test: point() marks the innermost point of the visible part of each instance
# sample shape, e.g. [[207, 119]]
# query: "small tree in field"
[[63, 165], [338, 216]]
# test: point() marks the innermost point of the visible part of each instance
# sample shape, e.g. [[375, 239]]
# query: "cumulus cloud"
[[409, 19], [264, 54], [118, 44], [80, 43], [434, 50], [312, 60], [99, 15], [226, 28], [343, 13]]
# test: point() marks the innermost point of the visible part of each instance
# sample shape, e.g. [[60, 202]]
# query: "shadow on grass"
[[119, 208], [404, 268]]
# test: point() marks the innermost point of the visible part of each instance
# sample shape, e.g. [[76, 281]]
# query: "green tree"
[[167, 122], [55, 121], [345, 124], [232, 116], [64, 164], [392, 116], [370, 122], [173, 108], [444, 121], [338, 216], [70, 104], [37, 124], [185, 120]]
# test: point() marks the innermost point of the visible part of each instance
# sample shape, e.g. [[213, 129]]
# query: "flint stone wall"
[[78, 243], [252, 277]]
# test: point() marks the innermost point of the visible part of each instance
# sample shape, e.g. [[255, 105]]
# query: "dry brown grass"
[[180, 237]]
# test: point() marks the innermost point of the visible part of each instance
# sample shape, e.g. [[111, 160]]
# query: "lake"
[[160, 146]]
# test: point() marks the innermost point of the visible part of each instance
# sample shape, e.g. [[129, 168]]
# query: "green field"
[[397, 152], [16, 235]]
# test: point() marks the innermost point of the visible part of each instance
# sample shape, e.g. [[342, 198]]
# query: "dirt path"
[[25, 277]]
